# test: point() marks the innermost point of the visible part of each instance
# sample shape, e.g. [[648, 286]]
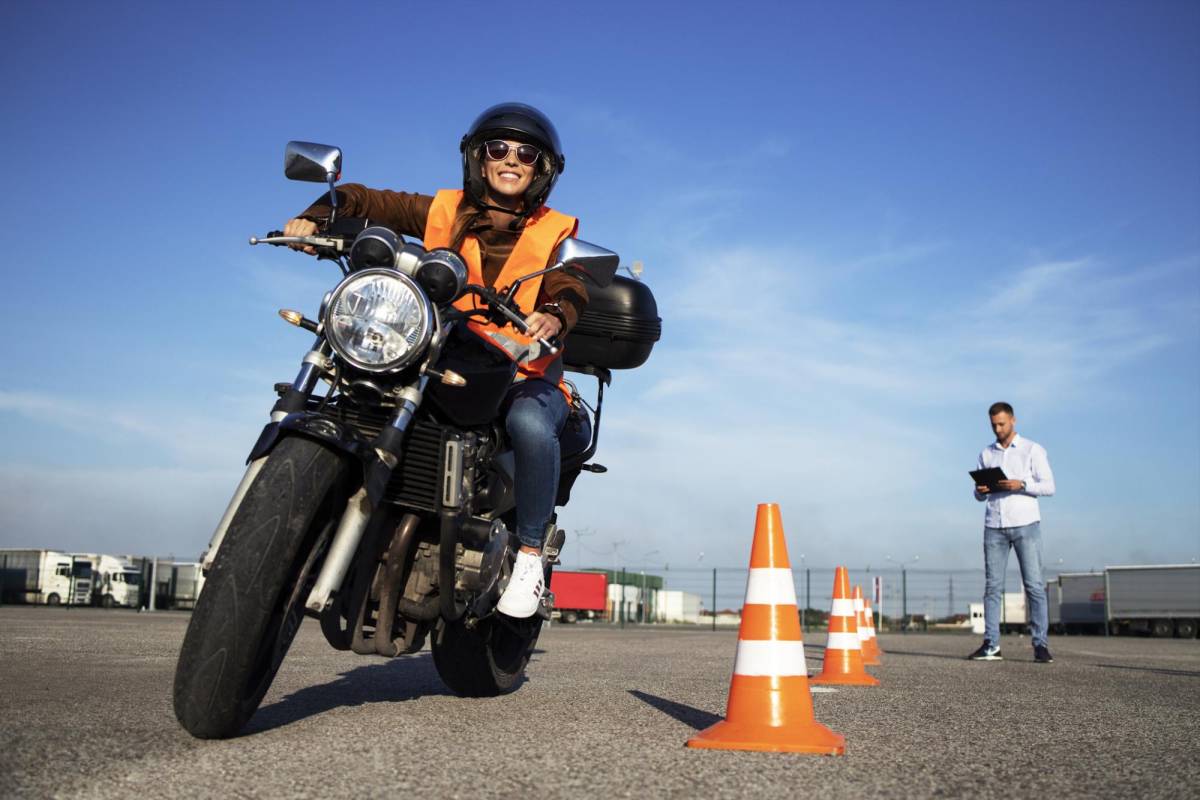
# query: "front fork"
[[297, 395]]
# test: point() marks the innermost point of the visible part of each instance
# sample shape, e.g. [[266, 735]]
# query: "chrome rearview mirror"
[[598, 264], [306, 161], [319, 163]]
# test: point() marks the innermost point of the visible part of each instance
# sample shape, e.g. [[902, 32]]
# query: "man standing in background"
[[1013, 520]]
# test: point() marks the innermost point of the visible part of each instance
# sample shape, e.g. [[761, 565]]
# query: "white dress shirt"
[[1023, 460]]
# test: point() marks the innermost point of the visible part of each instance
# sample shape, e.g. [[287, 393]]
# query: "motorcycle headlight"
[[378, 320]]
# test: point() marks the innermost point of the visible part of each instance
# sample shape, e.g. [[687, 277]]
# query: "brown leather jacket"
[[406, 213]]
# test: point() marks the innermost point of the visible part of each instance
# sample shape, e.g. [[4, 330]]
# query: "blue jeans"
[[1027, 541], [534, 418]]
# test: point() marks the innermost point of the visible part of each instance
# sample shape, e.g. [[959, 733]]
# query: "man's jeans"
[[1027, 541]]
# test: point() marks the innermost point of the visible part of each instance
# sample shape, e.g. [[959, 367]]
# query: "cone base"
[[810, 738], [845, 680]]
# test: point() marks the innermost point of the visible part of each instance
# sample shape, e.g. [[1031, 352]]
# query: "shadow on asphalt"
[[693, 717], [404, 678], [1160, 670], [890, 652]]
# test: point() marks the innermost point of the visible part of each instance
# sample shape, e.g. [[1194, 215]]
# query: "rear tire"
[[488, 660], [1161, 628], [1185, 628], [253, 600]]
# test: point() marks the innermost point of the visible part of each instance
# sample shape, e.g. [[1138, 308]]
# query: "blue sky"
[[863, 222]]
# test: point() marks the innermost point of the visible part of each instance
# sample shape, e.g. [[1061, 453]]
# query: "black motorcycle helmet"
[[518, 122]]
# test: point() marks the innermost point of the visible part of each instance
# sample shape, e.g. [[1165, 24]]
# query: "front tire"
[[253, 600]]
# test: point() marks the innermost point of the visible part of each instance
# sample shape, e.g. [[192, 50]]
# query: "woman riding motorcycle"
[[499, 223]]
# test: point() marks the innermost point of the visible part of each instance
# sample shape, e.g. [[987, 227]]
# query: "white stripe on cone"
[[842, 608], [858, 604], [775, 659], [770, 586], [842, 641]]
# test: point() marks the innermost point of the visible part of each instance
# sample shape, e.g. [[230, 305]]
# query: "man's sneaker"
[[1041, 654], [987, 652], [525, 587]]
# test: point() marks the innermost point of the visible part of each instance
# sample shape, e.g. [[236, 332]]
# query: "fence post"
[[807, 596], [714, 608], [622, 594], [903, 600]]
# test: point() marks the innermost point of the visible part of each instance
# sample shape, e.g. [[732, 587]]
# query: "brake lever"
[[518, 321], [337, 244]]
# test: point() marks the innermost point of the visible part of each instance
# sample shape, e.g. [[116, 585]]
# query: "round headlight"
[[378, 320], [442, 274]]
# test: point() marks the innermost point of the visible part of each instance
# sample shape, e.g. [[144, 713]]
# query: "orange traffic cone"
[[870, 657], [876, 650], [770, 705], [843, 653]]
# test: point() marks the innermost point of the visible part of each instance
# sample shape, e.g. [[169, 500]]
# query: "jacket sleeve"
[[1042, 483], [403, 212], [569, 292]]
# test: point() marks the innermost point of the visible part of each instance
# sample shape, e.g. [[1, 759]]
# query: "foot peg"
[[553, 546]]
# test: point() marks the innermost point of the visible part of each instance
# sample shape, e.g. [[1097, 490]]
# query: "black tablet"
[[988, 477]]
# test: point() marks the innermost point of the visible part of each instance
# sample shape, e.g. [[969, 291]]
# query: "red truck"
[[579, 595]]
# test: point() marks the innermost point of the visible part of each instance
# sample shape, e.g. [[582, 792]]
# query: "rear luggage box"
[[618, 328]]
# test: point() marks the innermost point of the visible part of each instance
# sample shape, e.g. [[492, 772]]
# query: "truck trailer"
[[1159, 600], [48, 577], [579, 595], [187, 579], [1082, 596]]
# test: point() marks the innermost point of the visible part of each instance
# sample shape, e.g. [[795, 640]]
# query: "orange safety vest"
[[544, 231]]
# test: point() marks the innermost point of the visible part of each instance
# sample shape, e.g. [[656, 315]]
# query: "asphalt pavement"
[[605, 712]]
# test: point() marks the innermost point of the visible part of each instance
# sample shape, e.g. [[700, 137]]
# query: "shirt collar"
[[1016, 440]]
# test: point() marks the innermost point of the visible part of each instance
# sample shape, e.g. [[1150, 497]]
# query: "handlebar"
[[335, 246]]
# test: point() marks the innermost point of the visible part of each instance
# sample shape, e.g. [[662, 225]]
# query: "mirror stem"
[[332, 178], [512, 290]]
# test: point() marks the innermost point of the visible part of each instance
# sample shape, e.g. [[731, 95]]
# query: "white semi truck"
[[115, 581], [48, 577]]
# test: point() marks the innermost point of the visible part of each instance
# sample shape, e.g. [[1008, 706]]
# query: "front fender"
[[318, 427]]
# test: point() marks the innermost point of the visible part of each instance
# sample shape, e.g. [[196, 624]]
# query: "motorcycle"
[[384, 505]]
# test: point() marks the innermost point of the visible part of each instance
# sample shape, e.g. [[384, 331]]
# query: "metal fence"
[[929, 595]]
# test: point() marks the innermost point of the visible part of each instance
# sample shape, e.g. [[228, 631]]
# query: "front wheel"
[[253, 600]]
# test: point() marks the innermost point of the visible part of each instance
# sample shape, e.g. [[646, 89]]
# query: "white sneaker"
[[525, 587]]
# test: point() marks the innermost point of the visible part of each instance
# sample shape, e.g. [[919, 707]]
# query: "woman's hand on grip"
[[301, 227], [543, 326]]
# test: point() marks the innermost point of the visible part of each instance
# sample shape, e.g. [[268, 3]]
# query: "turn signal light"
[[298, 319]]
